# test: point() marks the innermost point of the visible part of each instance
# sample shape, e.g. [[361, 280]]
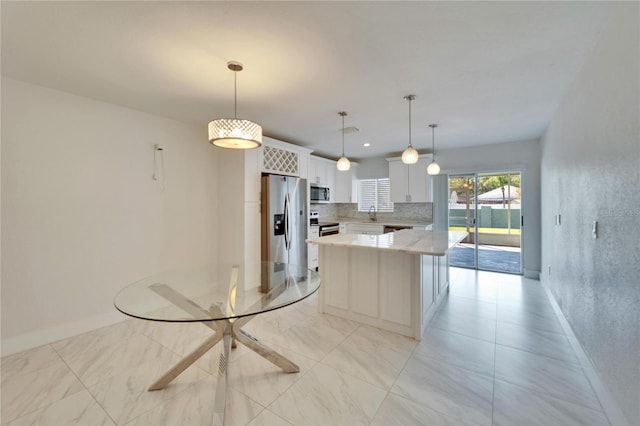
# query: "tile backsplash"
[[412, 211], [326, 210]]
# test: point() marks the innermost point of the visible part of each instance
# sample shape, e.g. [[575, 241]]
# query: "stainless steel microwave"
[[319, 194]]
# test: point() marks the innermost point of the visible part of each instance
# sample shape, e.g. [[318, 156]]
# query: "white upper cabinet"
[[323, 172], [316, 169], [410, 183], [347, 185]]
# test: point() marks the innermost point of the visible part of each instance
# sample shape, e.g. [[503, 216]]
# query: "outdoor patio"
[[492, 219], [492, 258]]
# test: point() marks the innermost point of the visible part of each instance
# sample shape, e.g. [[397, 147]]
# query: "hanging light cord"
[[433, 142], [342, 134], [235, 94], [410, 122], [411, 146]]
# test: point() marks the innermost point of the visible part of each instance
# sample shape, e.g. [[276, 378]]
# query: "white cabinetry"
[[443, 273], [396, 270], [281, 158], [312, 249], [435, 277], [239, 200], [410, 183], [322, 171], [347, 185], [315, 171], [336, 295], [391, 290], [365, 228]]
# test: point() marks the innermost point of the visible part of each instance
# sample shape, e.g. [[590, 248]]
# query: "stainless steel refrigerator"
[[284, 225]]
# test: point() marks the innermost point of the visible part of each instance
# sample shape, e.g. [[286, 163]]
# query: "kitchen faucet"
[[372, 214]]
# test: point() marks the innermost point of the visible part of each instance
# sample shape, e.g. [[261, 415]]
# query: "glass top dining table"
[[223, 301], [203, 294]]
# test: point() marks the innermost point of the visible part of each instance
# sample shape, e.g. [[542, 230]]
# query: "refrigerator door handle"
[[287, 243]]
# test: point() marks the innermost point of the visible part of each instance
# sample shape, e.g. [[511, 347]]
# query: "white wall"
[[591, 171], [81, 215], [373, 168], [510, 156]]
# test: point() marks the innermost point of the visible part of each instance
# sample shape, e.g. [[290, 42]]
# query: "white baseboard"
[[532, 273], [609, 405], [36, 338]]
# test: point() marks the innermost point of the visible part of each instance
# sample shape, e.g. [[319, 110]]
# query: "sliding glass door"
[[487, 206], [462, 217]]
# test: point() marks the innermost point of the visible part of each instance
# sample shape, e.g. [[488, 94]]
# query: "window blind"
[[376, 193]]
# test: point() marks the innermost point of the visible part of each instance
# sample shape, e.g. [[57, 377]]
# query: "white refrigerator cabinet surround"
[[347, 185], [392, 281], [410, 183], [243, 169]]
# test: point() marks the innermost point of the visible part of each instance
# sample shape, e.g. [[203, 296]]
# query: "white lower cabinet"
[[365, 228], [312, 249], [395, 283], [363, 300], [392, 290], [335, 270], [426, 281], [435, 279], [443, 274]]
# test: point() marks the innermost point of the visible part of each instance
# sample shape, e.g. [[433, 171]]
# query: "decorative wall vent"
[[280, 161]]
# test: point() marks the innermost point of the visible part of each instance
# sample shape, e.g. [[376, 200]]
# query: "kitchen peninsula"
[[393, 281]]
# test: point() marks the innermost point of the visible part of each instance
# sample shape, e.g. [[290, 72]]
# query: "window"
[[376, 193]]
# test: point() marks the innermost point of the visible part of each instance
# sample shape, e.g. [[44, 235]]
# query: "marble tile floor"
[[494, 354]]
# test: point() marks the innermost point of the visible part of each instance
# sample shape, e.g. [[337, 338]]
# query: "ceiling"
[[485, 72]]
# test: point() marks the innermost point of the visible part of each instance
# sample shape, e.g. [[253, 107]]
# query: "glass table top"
[[207, 294]]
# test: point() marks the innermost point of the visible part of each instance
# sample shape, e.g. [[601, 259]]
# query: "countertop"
[[381, 221], [414, 241]]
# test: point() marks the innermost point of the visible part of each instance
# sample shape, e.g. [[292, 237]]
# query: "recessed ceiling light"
[[366, 144]]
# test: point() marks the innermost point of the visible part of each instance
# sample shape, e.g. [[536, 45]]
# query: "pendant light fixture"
[[410, 155], [235, 133], [343, 163], [433, 168]]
